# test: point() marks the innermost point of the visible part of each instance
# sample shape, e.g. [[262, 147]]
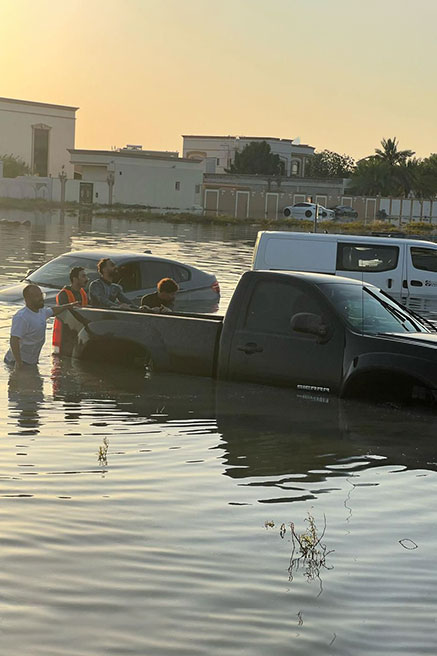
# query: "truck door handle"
[[250, 348], [405, 284], [389, 282], [416, 283]]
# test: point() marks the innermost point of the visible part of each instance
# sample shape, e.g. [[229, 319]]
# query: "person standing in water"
[[28, 331]]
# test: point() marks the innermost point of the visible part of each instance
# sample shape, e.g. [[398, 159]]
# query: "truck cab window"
[[274, 303], [424, 259], [366, 257]]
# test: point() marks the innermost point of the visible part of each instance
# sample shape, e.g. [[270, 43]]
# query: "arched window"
[[295, 167]]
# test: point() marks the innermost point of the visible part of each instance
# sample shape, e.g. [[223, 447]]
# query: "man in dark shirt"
[[163, 299], [75, 291], [104, 293]]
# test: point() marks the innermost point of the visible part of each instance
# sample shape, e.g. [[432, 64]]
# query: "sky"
[[339, 74]]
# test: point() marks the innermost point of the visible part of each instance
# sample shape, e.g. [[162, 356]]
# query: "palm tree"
[[389, 152]]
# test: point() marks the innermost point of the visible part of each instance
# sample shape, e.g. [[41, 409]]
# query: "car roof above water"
[[118, 256]]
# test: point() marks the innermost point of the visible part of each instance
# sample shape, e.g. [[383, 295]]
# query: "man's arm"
[[60, 308], [121, 296], [16, 351]]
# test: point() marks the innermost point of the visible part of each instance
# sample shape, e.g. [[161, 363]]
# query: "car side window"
[[153, 271], [129, 276], [180, 273], [274, 303], [366, 257], [424, 259]]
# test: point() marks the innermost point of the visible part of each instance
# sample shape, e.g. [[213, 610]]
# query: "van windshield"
[[367, 310]]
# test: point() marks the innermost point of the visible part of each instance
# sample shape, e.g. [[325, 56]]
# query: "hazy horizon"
[[338, 75]]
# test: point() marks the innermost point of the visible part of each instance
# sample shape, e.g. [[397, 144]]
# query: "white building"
[[154, 179], [219, 151], [39, 133]]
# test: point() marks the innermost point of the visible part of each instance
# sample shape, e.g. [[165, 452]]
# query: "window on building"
[[40, 151], [218, 161], [366, 257], [295, 167], [424, 259], [197, 189], [177, 185]]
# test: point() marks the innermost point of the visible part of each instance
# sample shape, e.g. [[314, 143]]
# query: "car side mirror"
[[311, 324], [29, 273]]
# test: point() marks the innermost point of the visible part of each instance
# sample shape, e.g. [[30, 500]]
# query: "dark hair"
[[167, 285], [102, 263], [28, 290], [74, 273]]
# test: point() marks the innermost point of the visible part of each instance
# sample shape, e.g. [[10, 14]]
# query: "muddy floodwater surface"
[[143, 516]]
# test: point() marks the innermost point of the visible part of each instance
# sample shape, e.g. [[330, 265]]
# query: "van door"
[[422, 271], [265, 350], [383, 265]]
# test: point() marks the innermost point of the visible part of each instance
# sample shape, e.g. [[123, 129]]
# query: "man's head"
[[33, 297], [167, 289], [78, 277], [106, 268]]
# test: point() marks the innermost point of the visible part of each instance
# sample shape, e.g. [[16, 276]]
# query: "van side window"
[[366, 257], [274, 303], [424, 259]]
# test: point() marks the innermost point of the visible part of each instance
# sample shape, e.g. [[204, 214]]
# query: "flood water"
[[133, 512]]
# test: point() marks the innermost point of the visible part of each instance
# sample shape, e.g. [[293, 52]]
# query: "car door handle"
[[250, 348], [416, 283], [389, 282]]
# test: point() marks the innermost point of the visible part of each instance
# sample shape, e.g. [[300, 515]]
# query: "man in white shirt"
[[28, 331]]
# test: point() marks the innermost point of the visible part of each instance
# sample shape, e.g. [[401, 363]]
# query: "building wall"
[[16, 133], [156, 182], [256, 197], [219, 152]]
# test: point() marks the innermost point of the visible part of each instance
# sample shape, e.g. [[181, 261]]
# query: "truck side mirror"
[[310, 324]]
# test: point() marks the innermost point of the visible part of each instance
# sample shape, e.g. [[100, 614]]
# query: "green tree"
[[14, 166], [389, 152], [257, 157], [328, 164], [426, 181], [370, 178]]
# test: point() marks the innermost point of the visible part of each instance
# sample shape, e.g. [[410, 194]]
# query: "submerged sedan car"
[[138, 274]]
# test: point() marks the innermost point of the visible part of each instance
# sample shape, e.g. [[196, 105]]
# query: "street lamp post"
[[63, 179], [110, 179]]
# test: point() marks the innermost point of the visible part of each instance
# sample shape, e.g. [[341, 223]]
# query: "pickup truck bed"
[[179, 343]]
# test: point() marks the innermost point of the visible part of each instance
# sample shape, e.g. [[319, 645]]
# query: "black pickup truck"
[[309, 331]]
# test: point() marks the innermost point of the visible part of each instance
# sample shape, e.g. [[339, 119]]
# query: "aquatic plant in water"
[[308, 550]]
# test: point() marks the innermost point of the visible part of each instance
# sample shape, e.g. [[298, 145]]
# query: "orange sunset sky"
[[339, 74]]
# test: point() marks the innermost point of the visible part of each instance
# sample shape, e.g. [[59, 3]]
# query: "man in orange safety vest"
[[68, 294], [75, 291]]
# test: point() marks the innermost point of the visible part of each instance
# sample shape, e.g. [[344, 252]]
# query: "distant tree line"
[[388, 172]]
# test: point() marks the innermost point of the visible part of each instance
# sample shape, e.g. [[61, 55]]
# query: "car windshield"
[[56, 273], [369, 311]]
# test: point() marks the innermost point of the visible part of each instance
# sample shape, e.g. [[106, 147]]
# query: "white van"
[[404, 268]]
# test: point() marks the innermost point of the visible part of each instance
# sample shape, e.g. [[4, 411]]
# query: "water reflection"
[[288, 446], [25, 393]]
